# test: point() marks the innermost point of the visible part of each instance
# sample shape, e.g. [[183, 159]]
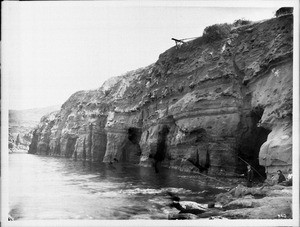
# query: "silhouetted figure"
[[249, 176], [281, 177], [111, 166], [289, 179], [111, 163]]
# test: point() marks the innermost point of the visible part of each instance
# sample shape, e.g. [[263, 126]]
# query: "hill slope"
[[22, 122]]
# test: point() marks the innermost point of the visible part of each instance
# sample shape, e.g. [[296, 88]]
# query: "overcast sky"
[[53, 49]]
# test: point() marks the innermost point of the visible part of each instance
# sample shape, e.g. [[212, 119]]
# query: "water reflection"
[[57, 188]]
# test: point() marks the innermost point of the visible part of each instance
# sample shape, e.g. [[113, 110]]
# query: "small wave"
[[152, 191], [140, 191], [221, 188], [177, 190], [109, 194]]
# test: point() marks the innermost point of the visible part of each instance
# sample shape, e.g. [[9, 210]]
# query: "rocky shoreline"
[[216, 104], [259, 202], [270, 202]]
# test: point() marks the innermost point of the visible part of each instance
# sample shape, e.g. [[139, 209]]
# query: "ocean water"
[[51, 188]]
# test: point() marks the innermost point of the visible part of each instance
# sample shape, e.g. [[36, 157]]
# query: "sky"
[[53, 49]]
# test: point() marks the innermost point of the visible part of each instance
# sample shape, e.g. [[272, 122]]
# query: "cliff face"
[[206, 105]]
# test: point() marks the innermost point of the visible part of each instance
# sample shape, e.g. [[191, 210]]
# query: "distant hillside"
[[29, 117], [21, 122]]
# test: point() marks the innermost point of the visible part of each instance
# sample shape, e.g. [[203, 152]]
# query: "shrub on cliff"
[[216, 32], [212, 33], [241, 22], [284, 11]]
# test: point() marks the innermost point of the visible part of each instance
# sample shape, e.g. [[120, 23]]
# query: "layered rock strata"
[[206, 105]]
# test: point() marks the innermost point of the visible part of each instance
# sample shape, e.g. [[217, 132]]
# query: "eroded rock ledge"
[[199, 107]]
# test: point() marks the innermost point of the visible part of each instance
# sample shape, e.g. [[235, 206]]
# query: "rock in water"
[[10, 218], [192, 206]]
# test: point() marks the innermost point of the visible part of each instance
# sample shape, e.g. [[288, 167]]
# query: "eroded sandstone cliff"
[[206, 105]]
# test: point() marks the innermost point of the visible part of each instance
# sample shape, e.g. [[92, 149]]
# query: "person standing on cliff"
[[249, 176]]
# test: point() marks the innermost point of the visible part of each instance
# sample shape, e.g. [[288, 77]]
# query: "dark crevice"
[[161, 147], [161, 144], [57, 147], [34, 142]]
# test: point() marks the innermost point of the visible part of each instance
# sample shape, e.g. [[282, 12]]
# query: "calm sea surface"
[[57, 188]]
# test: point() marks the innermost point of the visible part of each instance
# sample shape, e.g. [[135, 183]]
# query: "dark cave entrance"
[[161, 144], [201, 157], [134, 135], [99, 141], [57, 147], [250, 144], [70, 147], [131, 150]]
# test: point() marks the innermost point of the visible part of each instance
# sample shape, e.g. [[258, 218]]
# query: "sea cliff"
[[205, 105]]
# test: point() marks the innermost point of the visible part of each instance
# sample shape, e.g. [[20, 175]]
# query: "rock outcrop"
[[271, 202], [200, 107]]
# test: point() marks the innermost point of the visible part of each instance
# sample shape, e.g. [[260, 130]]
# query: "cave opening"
[[99, 142], [161, 144], [198, 136], [201, 157], [250, 144], [161, 147], [70, 147], [131, 150], [134, 135], [57, 147]]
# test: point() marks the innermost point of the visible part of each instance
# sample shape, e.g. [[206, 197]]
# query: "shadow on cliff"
[[160, 154]]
